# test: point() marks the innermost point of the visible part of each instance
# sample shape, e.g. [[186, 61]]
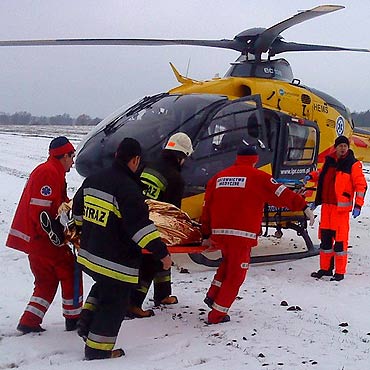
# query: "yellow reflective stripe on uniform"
[[163, 276], [145, 235], [100, 342], [143, 289], [89, 307], [156, 177], [107, 268], [102, 196], [162, 279], [78, 223], [148, 238], [154, 181], [107, 272], [97, 202]]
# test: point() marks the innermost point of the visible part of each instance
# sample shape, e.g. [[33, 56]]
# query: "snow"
[[262, 334]]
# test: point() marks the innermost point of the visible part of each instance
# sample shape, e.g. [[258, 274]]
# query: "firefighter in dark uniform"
[[110, 209], [163, 182]]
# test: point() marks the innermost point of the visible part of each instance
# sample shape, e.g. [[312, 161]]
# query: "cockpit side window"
[[227, 129], [301, 145]]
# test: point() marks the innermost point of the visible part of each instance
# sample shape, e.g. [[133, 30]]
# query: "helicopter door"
[[219, 139], [299, 142]]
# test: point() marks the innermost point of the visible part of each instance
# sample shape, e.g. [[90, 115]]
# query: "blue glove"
[[306, 179], [312, 206], [356, 212]]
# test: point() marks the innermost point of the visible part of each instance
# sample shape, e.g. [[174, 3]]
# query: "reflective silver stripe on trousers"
[[343, 253], [326, 250], [361, 194], [279, 190], [216, 283], [35, 311], [20, 235], [41, 301], [74, 312], [344, 204], [234, 232], [108, 264], [101, 338], [40, 202], [220, 308], [102, 195], [69, 302], [144, 231]]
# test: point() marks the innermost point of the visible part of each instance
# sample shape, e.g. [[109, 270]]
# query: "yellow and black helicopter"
[[292, 126]]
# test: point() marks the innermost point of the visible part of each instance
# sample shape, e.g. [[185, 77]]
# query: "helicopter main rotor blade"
[[267, 37], [280, 46], [226, 44]]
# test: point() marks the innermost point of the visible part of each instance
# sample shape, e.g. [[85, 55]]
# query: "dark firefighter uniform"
[[341, 183], [115, 224], [45, 191], [232, 216], [163, 182]]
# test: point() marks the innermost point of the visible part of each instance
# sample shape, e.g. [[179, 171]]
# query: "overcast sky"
[[99, 79]]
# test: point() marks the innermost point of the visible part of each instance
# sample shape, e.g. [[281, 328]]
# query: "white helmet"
[[180, 142]]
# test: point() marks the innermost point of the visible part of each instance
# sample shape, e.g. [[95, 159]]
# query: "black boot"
[[30, 329], [337, 277], [208, 301], [98, 354], [319, 274], [71, 324]]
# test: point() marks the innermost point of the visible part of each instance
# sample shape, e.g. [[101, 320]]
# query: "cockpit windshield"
[[153, 121]]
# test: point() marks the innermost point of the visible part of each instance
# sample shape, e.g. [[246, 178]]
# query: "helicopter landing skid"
[[299, 226]]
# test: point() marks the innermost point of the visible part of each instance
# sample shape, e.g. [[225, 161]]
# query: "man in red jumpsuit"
[[341, 189], [232, 216], [51, 261]]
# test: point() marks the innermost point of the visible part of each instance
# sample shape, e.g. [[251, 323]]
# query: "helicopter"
[[293, 126]]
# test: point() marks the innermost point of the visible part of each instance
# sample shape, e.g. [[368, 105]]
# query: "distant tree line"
[[25, 118], [361, 119]]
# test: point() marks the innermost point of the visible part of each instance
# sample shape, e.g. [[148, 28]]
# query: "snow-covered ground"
[[330, 332]]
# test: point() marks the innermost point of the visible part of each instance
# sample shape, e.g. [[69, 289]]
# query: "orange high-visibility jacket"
[[348, 182]]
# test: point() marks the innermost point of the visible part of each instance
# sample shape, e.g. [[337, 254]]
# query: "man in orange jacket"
[[339, 179], [232, 216], [33, 231]]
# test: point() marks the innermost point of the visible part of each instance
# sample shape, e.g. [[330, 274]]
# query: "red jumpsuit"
[[45, 190], [232, 216], [341, 183]]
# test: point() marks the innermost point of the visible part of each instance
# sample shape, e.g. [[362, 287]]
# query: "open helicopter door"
[[217, 142], [286, 146], [296, 147]]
